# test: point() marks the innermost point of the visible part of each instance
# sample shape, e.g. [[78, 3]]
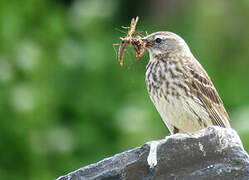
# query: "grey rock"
[[211, 153]]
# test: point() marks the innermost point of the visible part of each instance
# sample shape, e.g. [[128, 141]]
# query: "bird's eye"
[[158, 40]]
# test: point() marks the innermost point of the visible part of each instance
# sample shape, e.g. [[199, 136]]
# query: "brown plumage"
[[179, 87]]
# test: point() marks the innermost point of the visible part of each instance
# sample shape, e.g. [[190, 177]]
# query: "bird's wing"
[[205, 91]]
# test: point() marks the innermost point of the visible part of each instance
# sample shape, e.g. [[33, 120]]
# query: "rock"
[[211, 153]]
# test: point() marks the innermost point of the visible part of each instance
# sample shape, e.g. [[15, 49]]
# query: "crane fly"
[[135, 41]]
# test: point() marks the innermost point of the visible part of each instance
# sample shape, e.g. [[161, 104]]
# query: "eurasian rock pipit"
[[179, 87]]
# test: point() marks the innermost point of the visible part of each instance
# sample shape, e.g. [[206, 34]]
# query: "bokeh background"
[[66, 103]]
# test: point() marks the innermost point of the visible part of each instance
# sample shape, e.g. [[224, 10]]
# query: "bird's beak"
[[146, 42]]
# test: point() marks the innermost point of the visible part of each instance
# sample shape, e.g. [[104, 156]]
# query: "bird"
[[179, 86]]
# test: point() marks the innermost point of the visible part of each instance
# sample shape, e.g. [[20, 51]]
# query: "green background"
[[66, 103]]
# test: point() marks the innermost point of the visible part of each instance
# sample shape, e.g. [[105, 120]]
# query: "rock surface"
[[212, 153]]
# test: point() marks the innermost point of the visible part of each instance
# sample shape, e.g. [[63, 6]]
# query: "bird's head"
[[164, 42]]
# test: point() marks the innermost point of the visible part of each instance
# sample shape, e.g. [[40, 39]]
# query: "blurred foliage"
[[65, 102]]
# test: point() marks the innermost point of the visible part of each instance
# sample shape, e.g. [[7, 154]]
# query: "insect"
[[136, 42]]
